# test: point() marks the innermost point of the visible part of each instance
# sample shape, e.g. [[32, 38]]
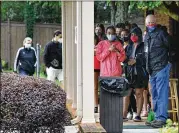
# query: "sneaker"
[[147, 123], [134, 115], [137, 119], [158, 124], [125, 119], [129, 116]]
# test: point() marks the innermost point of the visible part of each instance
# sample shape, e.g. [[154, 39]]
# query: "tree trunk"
[[122, 11], [113, 12]]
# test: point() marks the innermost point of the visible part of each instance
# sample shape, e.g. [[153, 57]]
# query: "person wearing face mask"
[[53, 57], [136, 72], [100, 32], [125, 37], [110, 53], [25, 60], [157, 63]]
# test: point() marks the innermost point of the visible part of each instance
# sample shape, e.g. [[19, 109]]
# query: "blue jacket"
[[26, 60]]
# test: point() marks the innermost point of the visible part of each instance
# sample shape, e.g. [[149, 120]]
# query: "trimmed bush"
[[30, 105]]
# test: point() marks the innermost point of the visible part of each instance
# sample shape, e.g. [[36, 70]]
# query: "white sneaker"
[[134, 114], [129, 116]]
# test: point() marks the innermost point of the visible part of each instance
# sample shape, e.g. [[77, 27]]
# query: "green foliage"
[[44, 11], [29, 17], [12, 10], [50, 11], [102, 12], [144, 5], [170, 127], [4, 64]]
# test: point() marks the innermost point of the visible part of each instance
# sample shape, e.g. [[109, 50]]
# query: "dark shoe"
[[158, 124], [95, 109], [125, 119], [147, 123], [137, 119]]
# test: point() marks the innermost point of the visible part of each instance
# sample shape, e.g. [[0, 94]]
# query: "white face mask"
[[27, 45], [111, 37], [60, 40]]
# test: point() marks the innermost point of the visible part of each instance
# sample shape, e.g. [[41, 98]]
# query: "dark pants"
[[23, 72], [160, 93]]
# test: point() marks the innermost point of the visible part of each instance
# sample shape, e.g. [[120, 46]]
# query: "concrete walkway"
[[140, 130]]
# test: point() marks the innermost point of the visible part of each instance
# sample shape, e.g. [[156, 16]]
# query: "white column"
[[74, 57], [67, 29], [79, 63], [64, 43], [88, 61]]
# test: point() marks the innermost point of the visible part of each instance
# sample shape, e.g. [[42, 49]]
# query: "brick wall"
[[163, 20]]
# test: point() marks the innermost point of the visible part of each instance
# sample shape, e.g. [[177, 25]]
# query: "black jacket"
[[53, 55], [26, 60], [140, 61], [156, 50]]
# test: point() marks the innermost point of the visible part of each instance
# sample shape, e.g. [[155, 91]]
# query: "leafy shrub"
[[170, 127], [4, 64], [29, 104]]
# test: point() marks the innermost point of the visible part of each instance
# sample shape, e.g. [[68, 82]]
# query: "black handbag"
[[117, 85]]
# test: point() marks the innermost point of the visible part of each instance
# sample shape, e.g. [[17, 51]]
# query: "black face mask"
[[125, 39]]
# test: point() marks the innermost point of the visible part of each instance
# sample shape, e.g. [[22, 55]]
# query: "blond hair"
[[27, 38]]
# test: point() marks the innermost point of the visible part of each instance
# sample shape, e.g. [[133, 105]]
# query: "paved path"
[[140, 130]]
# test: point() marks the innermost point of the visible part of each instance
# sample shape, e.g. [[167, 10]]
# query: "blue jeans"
[[160, 91]]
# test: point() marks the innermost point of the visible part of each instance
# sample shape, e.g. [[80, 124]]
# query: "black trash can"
[[112, 90]]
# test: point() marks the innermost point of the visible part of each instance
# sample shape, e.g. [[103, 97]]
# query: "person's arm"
[[166, 39], [120, 53], [101, 53], [16, 61], [46, 56]]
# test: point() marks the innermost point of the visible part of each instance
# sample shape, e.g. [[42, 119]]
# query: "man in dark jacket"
[[158, 66], [53, 57]]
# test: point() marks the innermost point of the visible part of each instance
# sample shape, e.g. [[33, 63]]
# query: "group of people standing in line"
[[118, 51], [122, 50]]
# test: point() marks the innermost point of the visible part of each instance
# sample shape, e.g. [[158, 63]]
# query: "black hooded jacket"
[[140, 61], [156, 50], [139, 68]]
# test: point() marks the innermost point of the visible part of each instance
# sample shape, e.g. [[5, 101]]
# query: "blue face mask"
[[111, 37], [151, 28]]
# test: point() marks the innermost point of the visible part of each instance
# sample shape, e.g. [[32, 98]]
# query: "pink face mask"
[[134, 38]]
